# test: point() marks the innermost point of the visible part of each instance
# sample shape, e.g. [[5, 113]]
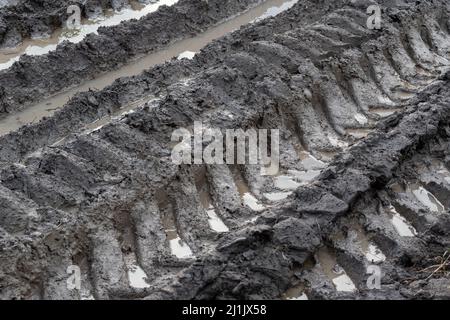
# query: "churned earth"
[[21, 19], [363, 184]]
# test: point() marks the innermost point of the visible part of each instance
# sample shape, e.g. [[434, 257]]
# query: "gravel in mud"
[[364, 177]]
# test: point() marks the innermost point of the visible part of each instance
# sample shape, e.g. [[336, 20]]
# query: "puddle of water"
[[343, 283], [248, 199], [186, 55], [4, 3], [180, 249], [177, 246], [403, 95], [48, 106], [423, 72], [252, 220], [427, 198], [295, 178], [251, 202], [334, 272], [215, 222], [286, 183], [309, 162], [336, 142], [374, 254], [34, 47], [435, 166], [86, 290], [384, 112], [384, 100], [273, 11], [371, 252], [305, 176], [444, 172], [86, 295], [397, 188], [295, 293], [358, 133], [328, 156], [137, 277], [401, 225], [277, 196], [271, 170], [362, 119], [303, 296]]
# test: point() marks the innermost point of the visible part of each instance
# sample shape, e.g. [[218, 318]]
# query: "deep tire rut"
[[364, 141]]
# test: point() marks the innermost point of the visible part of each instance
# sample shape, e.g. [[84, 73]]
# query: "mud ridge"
[[36, 77], [364, 171], [21, 19], [24, 19]]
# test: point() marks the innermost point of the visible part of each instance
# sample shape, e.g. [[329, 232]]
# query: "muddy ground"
[[364, 120], [21, 19], [36, 77]]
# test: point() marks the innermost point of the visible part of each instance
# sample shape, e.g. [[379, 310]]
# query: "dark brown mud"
[[35, 77], [94, 184]]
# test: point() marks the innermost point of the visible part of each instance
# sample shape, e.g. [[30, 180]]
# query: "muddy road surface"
[[358, 208]]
